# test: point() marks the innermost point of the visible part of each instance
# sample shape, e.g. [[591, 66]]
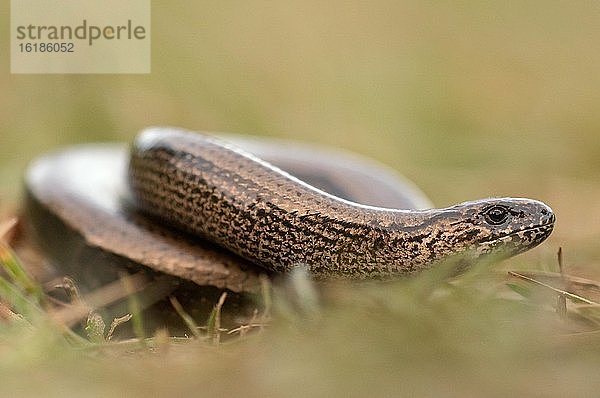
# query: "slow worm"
[[218, 192]]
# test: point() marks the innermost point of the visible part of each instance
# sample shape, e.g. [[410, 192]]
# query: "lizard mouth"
[[519, 241]]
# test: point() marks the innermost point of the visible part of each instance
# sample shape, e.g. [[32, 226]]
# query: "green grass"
[[479, 334], [468, 99]]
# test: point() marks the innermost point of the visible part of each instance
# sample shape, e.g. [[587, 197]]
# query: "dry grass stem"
[[572, 296]]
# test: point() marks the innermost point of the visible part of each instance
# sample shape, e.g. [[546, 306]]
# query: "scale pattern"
[[217, 192]]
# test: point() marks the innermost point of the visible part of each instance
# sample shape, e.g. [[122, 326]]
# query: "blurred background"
[[468, 99]]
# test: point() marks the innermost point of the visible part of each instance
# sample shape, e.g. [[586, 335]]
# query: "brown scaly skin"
[[218, 192]]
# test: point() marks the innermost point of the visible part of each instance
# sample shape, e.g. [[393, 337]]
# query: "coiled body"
[[220, 193]]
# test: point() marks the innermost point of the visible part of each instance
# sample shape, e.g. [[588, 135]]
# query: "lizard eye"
[[496, 215]]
